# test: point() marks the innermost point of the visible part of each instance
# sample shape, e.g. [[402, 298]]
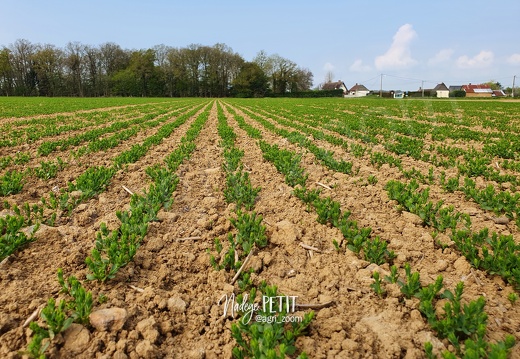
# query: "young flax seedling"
[[377, 285], [412, 285], [81, 305], [262, 339]]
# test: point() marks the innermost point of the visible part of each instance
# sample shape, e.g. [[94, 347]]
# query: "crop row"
[[254, 338]]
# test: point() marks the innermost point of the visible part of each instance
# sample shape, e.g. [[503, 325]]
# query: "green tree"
[[6, 72], [251, 81], [495, 85]]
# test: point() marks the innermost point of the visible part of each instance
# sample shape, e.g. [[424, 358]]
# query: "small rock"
[[199, 353], [441, 265], [75, 194], [76, 339], [256, 263], [145, 349], [412, 218], [48, 233], [108, 319], [291, 273], [285, 233], [147, 328], [176, 305], [228, 288], [462, 265], [120, 355]]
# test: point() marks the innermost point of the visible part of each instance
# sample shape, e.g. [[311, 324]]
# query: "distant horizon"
[[409, 42]]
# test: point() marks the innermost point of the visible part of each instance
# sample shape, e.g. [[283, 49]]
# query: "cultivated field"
[[387, 229]]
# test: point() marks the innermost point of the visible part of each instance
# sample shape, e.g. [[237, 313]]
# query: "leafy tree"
[[251, 81], [495, 85]]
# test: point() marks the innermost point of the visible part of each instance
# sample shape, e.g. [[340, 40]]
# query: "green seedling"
[[55, 317], [394, 275], [372, 180], [375, 251], [11, 183], [377, 285], [276, 340], [412, 282], [512, 297], [81, 305]]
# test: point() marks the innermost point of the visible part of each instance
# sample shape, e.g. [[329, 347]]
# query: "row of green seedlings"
[[458, 321], [89, 184], [114, 249], [501, 202], [443, 218], [495, 253], [506, 147], [376, 158], [463, 325], [255, 339], [103, 144], [12, 182], [324, 156]]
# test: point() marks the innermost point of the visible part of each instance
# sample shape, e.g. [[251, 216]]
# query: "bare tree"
[[74, 53], [329, 77]]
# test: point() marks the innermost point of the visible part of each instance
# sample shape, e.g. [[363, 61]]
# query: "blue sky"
[[408, 41]]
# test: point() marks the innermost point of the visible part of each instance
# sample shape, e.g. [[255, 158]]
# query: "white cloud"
[[440, 57], [358, 66], [482, 60], [514, 59], [328, 67], [399, 54]]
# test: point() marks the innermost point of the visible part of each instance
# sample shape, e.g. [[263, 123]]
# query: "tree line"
[[28, 69]]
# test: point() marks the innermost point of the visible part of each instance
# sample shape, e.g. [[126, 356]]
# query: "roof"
[[483, 88], [333, 85], [455, 88], [358, 87], [440, 87], [499, 93]]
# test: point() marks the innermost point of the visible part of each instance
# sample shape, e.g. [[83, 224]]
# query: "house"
[[499, 93], [358, 90], [398, 94], [339, 85], [482, 90], [441, 90]]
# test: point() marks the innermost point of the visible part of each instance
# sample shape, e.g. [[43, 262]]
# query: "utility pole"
[[381, 87], [422, 87], [513, 89]]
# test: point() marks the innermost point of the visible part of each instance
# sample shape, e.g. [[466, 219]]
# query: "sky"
[[405, 44]]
